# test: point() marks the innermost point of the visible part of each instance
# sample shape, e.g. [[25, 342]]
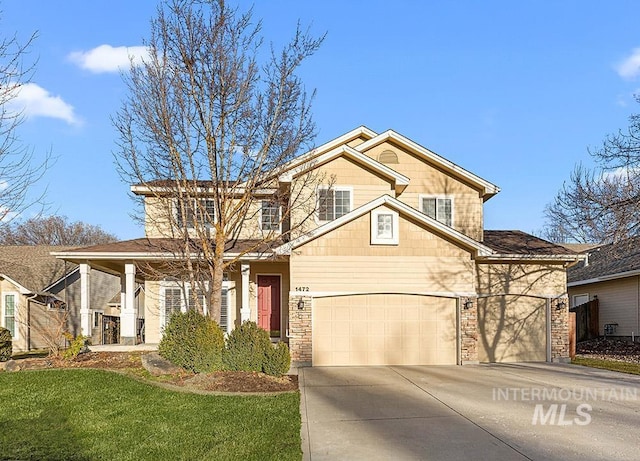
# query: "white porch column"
[[85, 294], [245, 310], [128, 315]]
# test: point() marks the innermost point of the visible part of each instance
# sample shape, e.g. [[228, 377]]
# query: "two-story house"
[[396, 267]]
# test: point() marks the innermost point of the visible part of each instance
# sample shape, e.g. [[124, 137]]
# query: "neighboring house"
[[610, 273], [39, 295], [397, 268]]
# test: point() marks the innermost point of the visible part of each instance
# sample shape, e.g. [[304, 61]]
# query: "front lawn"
[[94, 414], [613, 365]]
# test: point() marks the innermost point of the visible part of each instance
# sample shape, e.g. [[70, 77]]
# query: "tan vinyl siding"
[[619, 303], [153, 335], [523, 279], [344, 260], [428, 179]]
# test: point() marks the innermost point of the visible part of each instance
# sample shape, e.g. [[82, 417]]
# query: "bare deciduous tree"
[[601, 205], [53, 230], [17, 170], [209, 123]]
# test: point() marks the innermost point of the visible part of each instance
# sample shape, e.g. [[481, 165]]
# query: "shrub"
[[277, 360], [192, 341], [6, 346], [246, 348], [75, 346]]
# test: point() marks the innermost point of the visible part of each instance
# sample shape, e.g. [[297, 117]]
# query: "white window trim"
[[93, 317], [438, 197], [176, 210], [334, 188], [16, 307], [183, 302], [573, 298], [279, 229], [395, 239]]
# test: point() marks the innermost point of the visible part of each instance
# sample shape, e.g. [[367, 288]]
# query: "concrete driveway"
[[498, 412]]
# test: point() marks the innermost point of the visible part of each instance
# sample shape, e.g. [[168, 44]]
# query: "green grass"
[[99, 415], [612, 365]]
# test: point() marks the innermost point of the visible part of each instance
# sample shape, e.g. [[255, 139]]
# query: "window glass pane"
[[444, 211], [172, 302], [429, 207], [224, 310], [342, 203], [196, 300], [270, 215], [208, 208], [385, 226], [9, 313], [325, 205]]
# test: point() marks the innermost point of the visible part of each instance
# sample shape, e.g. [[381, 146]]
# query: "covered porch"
[[255, 288]]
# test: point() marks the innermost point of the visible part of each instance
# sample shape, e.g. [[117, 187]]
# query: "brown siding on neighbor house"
[[619, 302], [428, 180], [345, 260]]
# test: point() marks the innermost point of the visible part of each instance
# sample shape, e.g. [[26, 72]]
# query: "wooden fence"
[[586, 321]]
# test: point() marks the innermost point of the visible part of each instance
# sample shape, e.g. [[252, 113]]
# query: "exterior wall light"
[[560, 305], [468, 304], [301, 303]]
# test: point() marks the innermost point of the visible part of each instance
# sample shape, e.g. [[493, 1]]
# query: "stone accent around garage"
[[468, 332], [300, 334], [560, 331]]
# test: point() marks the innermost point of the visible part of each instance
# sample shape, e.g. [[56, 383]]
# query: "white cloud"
[[34, 101], [107, 58], [629, 68]]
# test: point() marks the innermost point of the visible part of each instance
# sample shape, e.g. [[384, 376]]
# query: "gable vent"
[[388, 156]]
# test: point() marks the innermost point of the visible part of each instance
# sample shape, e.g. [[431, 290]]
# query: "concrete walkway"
[[471, 412], [123, 348]]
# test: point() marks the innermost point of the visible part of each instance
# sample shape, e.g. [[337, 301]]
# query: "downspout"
[[548, 309]]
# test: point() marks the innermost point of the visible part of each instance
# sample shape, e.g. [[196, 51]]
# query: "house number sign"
[[302, 288]]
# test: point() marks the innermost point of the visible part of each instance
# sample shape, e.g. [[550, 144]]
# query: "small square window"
[[384, 227]]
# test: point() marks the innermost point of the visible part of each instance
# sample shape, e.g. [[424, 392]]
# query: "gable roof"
[[607, 262], [393, 203], [399, 180], [32, 268], [487, 189]]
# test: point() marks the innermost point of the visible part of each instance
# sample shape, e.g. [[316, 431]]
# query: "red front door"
[[269, 303]]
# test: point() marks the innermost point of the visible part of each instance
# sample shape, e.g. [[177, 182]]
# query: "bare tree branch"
[[206, 129]]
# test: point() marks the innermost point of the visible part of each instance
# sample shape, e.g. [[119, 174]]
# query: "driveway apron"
[[475, 412]]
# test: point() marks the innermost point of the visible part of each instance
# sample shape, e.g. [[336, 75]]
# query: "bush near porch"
[[196, 343], [94, 414]]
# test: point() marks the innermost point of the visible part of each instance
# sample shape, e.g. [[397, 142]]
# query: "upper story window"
[[201, 211], [384, 227], [439, 208], [334, 202], [269, 216]]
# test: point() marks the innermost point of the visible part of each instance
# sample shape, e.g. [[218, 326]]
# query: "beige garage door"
[[384, 330], [512, 329]]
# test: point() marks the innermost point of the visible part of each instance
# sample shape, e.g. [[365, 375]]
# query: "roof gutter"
[[605, 278]]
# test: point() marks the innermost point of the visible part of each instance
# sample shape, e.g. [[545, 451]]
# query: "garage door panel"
[[384, 330], [511, 329]]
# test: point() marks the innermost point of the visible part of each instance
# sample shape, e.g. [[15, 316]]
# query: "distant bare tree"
[[601, 205], [53, 230], [208, 125], [18, 173]]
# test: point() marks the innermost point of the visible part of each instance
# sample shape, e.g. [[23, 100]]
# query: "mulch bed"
[[609, 349], [222, 381]]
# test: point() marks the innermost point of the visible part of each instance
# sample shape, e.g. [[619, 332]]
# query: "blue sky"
[[513, 91]]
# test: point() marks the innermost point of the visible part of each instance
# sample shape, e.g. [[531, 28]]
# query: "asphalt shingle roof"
[[611, 259], [520, 243], [32, 266]]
